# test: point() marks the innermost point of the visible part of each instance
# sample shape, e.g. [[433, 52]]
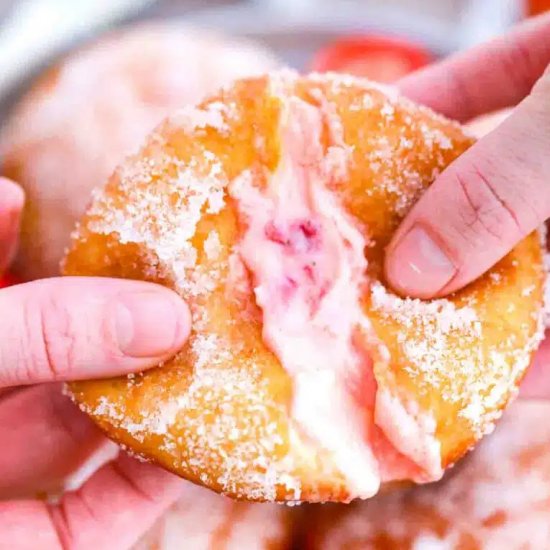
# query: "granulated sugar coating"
[[91, 109], [268, 208], [498, 498]]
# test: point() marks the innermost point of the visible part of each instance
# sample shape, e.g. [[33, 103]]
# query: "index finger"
[[486, 78]]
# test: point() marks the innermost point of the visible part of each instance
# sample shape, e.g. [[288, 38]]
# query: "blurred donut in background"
[[204, 520], [82, 116], [498, 498]]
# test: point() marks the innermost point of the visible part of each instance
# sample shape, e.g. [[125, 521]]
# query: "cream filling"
[[411, 432], [306, 257]]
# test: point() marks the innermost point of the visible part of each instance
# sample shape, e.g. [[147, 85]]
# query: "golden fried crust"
[[219, 413], [499, 497]]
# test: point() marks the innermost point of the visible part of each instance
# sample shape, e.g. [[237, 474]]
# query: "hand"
[[499, 190], [68, 329]]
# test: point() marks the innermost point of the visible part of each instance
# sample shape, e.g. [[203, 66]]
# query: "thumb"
[[75, 328], [480, 207]]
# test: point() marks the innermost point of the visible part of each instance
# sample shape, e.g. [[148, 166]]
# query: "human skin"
[[67, 329], [498, 192]]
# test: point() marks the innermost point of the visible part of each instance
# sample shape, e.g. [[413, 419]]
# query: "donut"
[[203, 520], [268, 208], [499, 497], [67, 133]]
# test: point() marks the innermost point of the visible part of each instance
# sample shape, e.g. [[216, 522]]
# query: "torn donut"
[[268, 208]]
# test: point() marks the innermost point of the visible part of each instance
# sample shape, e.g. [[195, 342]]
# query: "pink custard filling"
[[306, 257]]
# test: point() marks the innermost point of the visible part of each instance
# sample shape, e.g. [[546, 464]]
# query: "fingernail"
[[151, 324], [418, 266]]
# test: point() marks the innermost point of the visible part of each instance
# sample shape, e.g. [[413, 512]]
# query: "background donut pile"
[[117, 88], [498, 498]]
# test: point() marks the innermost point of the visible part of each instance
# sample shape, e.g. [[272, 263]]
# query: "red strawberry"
[[376, 57], [7, 279]]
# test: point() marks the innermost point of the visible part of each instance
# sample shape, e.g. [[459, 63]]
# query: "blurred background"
[[303, 33]]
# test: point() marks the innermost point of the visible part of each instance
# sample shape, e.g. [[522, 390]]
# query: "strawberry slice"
[[376, 57]]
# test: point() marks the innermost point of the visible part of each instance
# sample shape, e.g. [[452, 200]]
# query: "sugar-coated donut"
[[498, 498], [203, 520], [268, 208], [83, 115]]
